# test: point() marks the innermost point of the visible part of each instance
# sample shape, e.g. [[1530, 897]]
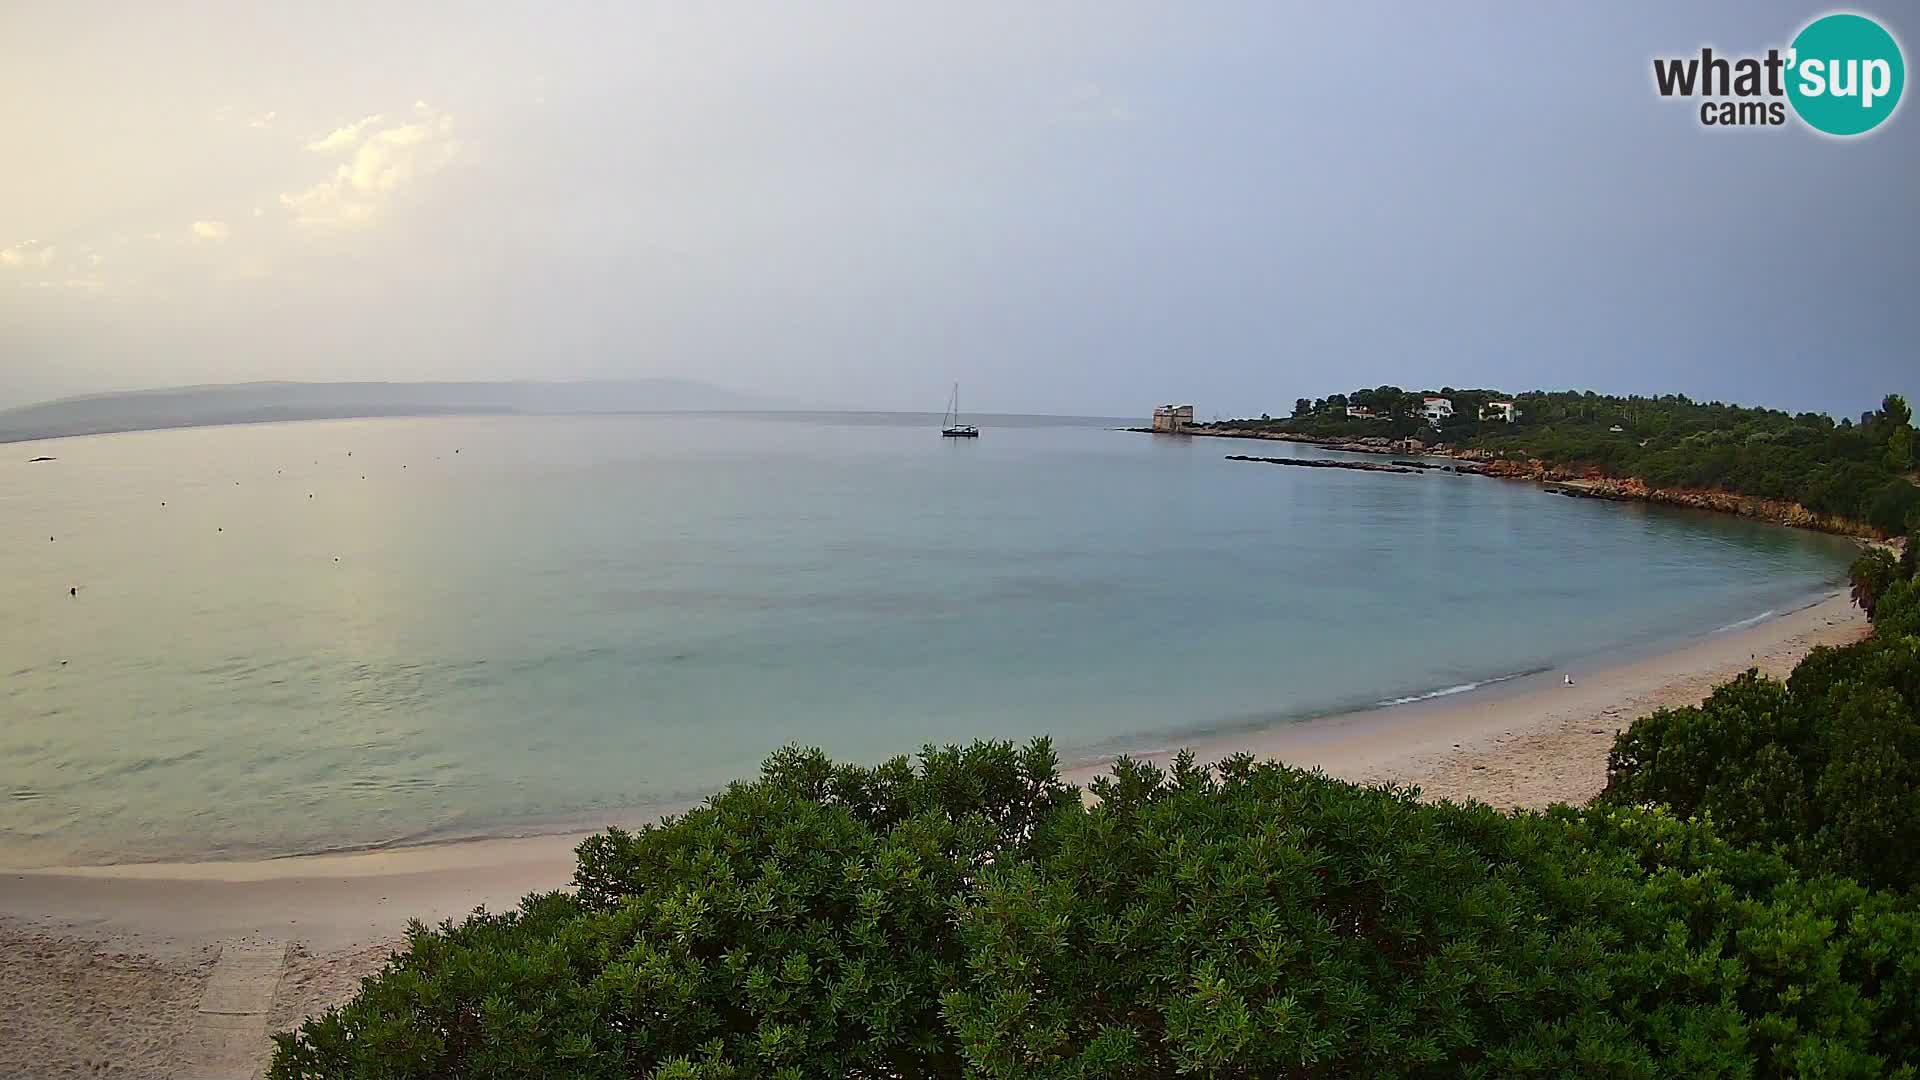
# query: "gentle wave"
[[1448, 691], [1744, 623]]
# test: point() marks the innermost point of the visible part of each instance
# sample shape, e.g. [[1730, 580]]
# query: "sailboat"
[[950, 425]]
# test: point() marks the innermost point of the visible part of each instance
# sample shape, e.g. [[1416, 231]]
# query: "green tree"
[[797, 926], [1869, 576], [1895, 413]]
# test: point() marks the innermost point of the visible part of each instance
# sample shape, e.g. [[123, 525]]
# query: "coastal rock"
[[1323, 463], [1777, 511]]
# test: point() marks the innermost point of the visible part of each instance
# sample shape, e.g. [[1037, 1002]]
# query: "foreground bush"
[[972, 918], [799, 926], [1824, 767]]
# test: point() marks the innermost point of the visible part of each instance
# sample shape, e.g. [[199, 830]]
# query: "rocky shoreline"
[[1572, 481]]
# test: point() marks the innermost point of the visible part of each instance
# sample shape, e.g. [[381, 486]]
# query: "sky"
[[1066, 207]]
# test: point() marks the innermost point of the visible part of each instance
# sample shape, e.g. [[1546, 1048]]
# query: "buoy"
[[1569, 680]]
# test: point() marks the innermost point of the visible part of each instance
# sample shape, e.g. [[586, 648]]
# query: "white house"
[[1436, 409], [1499, 410], [1359, 412]]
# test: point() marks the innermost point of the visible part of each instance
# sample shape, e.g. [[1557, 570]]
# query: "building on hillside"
[[1436, 409], [1359, 412], [1499, 410], [1171, 419]]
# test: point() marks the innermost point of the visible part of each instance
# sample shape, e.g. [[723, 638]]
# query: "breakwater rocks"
[[1372, 444], [1325, 463], [1465, 468]]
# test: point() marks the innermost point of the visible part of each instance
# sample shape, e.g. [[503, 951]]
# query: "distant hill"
[[252, 403]]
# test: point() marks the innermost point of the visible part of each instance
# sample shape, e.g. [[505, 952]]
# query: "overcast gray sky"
[[1067, 207]]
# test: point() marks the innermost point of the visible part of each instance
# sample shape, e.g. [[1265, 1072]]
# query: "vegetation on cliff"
[[1740, 902], [1860, 470]]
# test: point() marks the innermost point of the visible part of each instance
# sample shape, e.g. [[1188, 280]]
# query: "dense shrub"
[[973, 918], [1870, 575], [798, 926], [1824, 767]]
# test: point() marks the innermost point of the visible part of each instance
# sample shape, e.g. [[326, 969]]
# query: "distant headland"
[[1852, 476], [267, 402]]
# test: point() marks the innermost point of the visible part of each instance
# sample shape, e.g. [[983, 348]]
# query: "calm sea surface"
[[294, 637]]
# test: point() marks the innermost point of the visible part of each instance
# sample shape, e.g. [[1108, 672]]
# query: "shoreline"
[[1531, 740], [1224, 735], [323, 898]]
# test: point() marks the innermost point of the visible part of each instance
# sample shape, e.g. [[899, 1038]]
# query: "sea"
[[268, 639]]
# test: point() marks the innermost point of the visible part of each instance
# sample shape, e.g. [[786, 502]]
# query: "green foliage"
[[1824, 768], [1870, 575], [1267, 922], [798, 926], [1893, 505], [1898, 418]]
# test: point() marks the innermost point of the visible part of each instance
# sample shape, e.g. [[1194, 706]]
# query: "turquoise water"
[[344, 633]]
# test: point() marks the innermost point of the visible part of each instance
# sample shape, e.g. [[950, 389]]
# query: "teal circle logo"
[[1845, 74]]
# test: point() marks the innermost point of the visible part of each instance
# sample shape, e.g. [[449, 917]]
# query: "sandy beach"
[[108, 970]]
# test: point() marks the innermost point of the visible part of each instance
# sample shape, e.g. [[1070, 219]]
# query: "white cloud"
[[385, 162], [210, 230], [343, 138], [27, 253]]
